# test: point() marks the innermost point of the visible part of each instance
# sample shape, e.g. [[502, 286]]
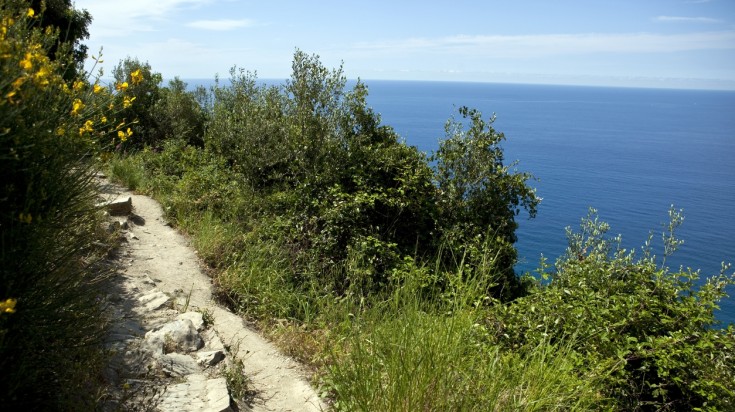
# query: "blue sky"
[[640, 43]]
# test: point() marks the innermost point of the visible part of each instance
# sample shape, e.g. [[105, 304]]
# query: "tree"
[[179, 114], [73, 26], [479, 196], [142, 93]]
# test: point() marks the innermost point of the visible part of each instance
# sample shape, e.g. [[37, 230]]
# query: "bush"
[[648, 333], [50, 130], [479, 197]]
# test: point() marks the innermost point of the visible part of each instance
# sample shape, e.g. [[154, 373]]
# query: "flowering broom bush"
[[51, 129]]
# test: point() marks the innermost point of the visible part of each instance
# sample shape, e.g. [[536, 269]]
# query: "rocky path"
[[174, 346]]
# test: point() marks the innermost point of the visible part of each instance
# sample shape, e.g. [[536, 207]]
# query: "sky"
[[630, 43]]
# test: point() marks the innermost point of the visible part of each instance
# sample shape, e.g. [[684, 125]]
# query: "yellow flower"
[[121, 86], [87, 127], [10, 95], [30, 13], [41, 76], [136, 77], [77, 106], [78, 85], [127, 102], [124, 135], [26, 64], [103, 120], [97, 88], [18, 82], [8, 306], [25, 218], [60, 131]]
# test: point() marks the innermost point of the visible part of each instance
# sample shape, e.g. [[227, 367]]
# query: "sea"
[[630, 153]]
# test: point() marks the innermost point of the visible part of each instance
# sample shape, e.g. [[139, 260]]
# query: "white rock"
[[120, 207], [195, 317], [177, 336], [177, 364], [197, 394], [154, 300], [209, 358]]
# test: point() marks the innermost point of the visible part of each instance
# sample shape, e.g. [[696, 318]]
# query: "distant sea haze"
[[630, 153]]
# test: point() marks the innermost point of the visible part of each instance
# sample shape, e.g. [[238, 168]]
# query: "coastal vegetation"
[[387, 271], [54, 121], [390, 272]]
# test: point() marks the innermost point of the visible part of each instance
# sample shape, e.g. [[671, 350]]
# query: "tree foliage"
[[351, 195], [73, 26], [479, 196]]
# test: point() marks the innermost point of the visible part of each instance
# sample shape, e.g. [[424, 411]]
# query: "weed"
[[207, 316], [238, 382]]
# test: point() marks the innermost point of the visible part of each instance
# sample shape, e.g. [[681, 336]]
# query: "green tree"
[[142, 93], [480, 197], [179, 115], [73, 29]]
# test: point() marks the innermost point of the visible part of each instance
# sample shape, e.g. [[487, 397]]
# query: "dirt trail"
[[160, 277]]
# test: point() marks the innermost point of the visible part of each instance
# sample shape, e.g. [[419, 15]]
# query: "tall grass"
[[408, 354], [126, 171]]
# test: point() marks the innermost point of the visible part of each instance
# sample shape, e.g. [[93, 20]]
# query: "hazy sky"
[[649, 43]]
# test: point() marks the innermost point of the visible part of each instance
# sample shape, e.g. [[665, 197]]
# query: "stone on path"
[[177, 364], [120, 207], [175, 336], [154, 300], [209, 358], [197, 394], [196, 318]]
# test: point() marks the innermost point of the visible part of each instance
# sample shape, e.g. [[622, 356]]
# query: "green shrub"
[[351, 194], [50, 132], [650, 334], [479, 197]]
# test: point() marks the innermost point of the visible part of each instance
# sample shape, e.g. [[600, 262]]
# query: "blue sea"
[[630, 153]]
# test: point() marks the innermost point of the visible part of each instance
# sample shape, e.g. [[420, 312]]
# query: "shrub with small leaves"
[[648, 333]]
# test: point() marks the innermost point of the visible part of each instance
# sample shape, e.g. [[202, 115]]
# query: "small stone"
[[120, 207], [197, 394], [196, 318], [176, 336], [154, 300], [148, 281], [113, 227], [136, 220], [209, 358]]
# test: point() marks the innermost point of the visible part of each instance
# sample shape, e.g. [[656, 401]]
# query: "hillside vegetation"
[[389, 272]]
